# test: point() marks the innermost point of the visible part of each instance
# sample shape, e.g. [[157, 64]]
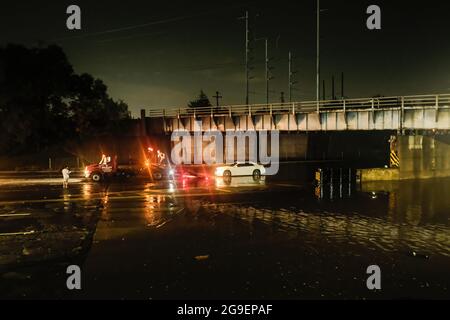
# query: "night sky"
[[162, 53]]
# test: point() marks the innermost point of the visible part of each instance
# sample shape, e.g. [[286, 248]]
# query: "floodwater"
[[207, 239]]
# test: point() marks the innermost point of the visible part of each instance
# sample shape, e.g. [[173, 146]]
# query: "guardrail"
[[436, 101]]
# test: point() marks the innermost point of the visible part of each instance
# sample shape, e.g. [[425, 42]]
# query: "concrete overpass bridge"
[[400, 113], [411, 133]]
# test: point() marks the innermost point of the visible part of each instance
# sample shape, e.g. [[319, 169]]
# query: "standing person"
[[66, 176], [161, 157]]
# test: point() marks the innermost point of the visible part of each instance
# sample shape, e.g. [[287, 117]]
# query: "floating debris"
[[419, 255], [18, 233], [202, 258]]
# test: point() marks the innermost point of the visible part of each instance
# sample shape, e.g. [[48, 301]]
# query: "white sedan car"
[[241, 169]]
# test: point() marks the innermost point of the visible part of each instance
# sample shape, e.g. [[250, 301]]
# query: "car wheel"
[[256, 174], [157, 176], [227, 180], [227, 174], [96, 177]]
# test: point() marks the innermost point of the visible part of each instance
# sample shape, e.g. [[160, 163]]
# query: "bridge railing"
[[342, 105]]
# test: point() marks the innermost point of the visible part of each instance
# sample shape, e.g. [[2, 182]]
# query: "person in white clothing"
[[66, 176]]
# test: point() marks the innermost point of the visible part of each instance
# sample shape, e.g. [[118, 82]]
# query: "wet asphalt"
[[215, 239]]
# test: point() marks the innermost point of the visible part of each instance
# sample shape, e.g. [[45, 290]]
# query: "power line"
[[151, 23], [132, 36], [137, 26]]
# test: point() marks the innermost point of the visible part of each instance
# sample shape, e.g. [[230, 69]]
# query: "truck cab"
[[98, 171]]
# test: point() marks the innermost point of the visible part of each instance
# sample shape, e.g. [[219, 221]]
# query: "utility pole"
[[333, 96], [248, 58], [247, 54], [342, 85], [282, 97], [324, 97], [291, 77], [218, 97], [267, 72], [318, 56]]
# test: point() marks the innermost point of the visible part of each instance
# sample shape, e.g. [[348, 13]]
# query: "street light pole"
[[267, 72], [318, 57], [247, 67], [290, 76]]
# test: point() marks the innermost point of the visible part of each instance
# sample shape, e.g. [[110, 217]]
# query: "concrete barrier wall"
[[378, 174]]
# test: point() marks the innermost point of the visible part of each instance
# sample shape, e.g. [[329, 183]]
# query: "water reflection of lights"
[[350, 229], [37, 181], [106, 196], [151, 206], [148, 187], [66, 197], [87, 191], [105, 214], [240, 182], [171, 187], [150, 202], [157, 210]]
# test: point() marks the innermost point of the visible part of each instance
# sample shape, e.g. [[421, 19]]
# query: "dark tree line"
[[43, 102], [202, 101]]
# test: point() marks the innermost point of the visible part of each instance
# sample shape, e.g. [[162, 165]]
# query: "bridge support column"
[[423, 156]]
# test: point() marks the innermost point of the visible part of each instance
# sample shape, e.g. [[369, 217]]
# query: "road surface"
[[244, 239]]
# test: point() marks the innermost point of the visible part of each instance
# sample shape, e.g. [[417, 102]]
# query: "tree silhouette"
[[44, 102], [201, 102]]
